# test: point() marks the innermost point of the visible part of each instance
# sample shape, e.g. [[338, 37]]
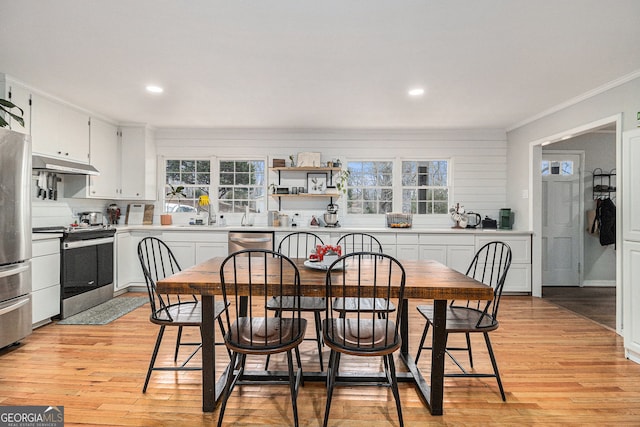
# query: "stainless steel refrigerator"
[[15, 237]]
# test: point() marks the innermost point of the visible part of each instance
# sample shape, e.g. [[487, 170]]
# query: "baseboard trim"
[[585, 284], [599, 283]]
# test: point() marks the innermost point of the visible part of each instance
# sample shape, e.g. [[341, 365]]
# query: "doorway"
[[598, 288]]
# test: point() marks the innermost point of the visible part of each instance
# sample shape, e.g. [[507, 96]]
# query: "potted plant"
[[5, 106], [175, 192], [342, 178]]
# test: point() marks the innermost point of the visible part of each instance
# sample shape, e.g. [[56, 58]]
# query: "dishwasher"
[[243, 239]]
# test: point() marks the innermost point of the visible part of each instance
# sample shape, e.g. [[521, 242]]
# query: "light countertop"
[[344, 229]]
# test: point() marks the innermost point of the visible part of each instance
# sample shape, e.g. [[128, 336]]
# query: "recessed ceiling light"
[[418, 91], [154, 89]]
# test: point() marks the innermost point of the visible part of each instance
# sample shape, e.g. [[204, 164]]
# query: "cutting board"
[[135, 214], [147, 218]]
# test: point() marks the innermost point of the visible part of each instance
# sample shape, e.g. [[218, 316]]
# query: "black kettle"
[[474, 220]]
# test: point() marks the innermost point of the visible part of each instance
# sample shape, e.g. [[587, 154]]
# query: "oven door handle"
[[250, 239], [89, 242]]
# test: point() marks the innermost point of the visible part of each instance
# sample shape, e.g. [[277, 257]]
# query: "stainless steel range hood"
[[60, 166]]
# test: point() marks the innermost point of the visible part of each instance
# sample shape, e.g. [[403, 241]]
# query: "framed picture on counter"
[[316, 183]]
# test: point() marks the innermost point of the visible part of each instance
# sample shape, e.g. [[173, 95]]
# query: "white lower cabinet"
[[193, 247], [519, 276], [189, 249], [45, 285], [124, 263], [184, 251], [434, 252], [459, 257], [407, 246], [631, 295], [388, 242], [453, 250], [128, 269], [456, 250], [406, 252], [208, 250]]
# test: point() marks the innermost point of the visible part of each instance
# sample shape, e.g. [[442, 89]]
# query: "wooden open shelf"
[[305, 169]]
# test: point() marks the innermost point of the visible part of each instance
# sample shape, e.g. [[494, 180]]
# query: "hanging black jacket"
[[606, 218]]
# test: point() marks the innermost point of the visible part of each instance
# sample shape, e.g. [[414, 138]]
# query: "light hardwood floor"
[[558, 368]]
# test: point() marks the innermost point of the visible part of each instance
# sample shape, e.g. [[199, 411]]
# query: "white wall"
[[478, 157], [64, 211], [624, 98]]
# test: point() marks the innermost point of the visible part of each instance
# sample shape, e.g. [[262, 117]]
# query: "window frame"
[[448, 186], [392, 185], [259, 204], [193, 201]]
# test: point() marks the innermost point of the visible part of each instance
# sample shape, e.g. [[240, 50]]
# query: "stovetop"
[[70, 229], [79, 232]]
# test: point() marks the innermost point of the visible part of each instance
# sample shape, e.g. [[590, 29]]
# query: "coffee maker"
[[506, 219]]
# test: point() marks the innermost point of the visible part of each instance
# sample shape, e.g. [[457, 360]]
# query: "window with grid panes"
[[557, 167], [194, 176], [425, 187], [370, 187], [241, 185]]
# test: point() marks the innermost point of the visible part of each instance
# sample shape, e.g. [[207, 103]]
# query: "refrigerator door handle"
[[13, 306], [14, 269]]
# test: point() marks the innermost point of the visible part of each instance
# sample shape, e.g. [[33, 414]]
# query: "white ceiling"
[[320, 64]]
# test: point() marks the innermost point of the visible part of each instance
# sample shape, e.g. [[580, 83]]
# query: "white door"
[[561, 219]]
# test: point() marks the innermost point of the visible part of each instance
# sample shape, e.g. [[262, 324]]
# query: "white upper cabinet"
[[104, 155], [138, 163], [125, 158], [21, 97], [59, 130]]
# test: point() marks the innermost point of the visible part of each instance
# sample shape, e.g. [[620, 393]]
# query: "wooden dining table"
[[425, 280]]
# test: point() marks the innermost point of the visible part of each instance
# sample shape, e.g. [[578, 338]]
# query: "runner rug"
[[106, 312]]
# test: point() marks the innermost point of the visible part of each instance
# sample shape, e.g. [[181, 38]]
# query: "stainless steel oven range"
[[86, 266]]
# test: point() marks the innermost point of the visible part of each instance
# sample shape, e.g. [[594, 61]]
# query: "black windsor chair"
[[359, 242], [364, 333], [299, 245], [250, 329], [490, 266], [157, 262]]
